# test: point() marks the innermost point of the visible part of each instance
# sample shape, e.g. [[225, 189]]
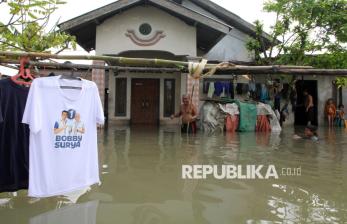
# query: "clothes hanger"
[[24, 73], [70, 77]]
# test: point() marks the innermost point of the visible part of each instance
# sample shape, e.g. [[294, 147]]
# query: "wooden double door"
[[145, 101]]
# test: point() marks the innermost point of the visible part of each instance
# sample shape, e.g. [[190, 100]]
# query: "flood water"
[[141, 168]]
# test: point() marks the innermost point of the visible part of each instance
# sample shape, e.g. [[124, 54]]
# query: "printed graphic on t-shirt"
[[69, 130]]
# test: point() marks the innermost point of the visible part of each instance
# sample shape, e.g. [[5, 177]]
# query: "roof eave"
[[91, 19], [112, 8], [224, 14], [95, 14]]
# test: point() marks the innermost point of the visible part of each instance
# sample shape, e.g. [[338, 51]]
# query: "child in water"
[[340, 116], [330, 111], [310, 133]]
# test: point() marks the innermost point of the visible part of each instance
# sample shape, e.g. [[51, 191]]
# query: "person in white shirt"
[[60, 127], [78, 125]]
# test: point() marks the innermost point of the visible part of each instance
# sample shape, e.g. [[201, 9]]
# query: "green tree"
[[305, 32], [304, 28], [26, 29]]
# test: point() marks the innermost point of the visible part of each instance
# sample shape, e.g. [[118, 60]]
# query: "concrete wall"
[[179, 79], [110, 35], [231, 48], [344, 98], [325, 91]]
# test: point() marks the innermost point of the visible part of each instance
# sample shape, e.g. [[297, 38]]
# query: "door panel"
[[145, 101]]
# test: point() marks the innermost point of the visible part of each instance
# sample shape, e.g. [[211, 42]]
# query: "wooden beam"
[[277, 70], [86, 67], [109, 59], [239, 70], [149, 62]]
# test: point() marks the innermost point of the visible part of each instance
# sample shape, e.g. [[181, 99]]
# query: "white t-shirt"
[[60, 160]]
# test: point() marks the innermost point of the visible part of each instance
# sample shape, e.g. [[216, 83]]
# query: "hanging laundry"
[[206, 86], [245, 88], [252, 88], [231, 90], [63, 135], [218, 88], [14, 137], [251, 85], [239, 88], [223, 94], [264, 95], [226, 89], [210, 90]]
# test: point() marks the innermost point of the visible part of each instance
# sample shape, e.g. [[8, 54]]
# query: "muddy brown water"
[[140, 171]]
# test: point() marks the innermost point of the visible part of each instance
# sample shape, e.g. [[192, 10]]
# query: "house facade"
[[185, 30]]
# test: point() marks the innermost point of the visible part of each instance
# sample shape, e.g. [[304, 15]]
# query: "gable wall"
[[180, 38]]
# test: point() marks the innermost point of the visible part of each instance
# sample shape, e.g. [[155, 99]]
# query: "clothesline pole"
[[254, 70], [160, 65], [124, 60], [108, 59], [83, 66]]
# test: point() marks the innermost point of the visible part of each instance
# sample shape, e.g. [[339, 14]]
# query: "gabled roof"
[[210, 29], [230, 18], [84, 26]]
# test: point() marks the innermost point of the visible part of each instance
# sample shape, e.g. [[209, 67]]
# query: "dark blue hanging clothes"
[[14, 137], [218, 88]]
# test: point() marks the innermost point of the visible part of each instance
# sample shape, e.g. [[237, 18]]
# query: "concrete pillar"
[[344, 97], [325, 91], [98, 76]]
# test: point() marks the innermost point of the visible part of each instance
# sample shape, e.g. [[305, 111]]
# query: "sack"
[[248, 116]]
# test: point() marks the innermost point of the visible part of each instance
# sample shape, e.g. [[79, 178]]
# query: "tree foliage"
[[305, 32], [304, 28], [27, 30]]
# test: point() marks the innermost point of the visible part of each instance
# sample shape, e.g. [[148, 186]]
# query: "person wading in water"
[[309, 107], [188, 112]]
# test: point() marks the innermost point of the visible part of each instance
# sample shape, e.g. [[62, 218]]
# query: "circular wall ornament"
[[145, 29]]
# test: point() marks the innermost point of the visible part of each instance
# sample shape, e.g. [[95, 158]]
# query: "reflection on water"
[[78, 213], [141, 181]]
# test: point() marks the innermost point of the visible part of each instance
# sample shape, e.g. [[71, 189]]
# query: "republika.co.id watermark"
[[241, 172]]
